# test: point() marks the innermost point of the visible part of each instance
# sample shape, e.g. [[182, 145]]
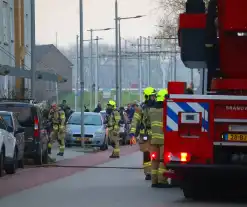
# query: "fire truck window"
[[190, 117]]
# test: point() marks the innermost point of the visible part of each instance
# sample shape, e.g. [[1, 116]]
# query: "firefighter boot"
[[148, 176], [49, 148], [60, 154], [115, 153], [161, 185]]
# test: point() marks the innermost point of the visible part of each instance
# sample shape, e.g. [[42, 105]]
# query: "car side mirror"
[[10, 129]]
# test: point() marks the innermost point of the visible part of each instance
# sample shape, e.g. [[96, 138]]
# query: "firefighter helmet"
[[149, 91], [161, 95], [112, 103]]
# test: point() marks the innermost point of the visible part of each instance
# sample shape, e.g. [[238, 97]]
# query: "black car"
[[14, 128], [36, 137]]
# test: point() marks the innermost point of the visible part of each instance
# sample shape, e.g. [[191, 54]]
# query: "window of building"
[[26, 31], [12, 29], [6, 21]]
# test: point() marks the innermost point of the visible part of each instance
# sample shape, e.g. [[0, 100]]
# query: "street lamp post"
[[120, 64], [118, 33], [91, 62], [82, 72], [116, 53], [77, 71], [96, 70], [33, 79]]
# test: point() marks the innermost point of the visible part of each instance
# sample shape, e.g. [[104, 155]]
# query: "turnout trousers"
[[157, 165], [114, 138], [145, 148]]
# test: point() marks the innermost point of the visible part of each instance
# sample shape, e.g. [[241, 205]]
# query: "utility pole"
[[77, 70], [120, 64], [82, 72], [33, 68], [116, 53], [144, 61], [91, 69], [125, 74], [139, 68], [149, 62], [96, 72]]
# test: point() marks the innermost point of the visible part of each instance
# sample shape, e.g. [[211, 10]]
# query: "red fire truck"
[[206, 135]]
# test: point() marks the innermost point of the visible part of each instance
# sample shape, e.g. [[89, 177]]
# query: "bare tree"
[[171, 10]]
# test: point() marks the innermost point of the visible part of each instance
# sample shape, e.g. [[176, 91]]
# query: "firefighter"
[[157, 142], [189, 90], [112, 122], [141, 126], [57, 118]]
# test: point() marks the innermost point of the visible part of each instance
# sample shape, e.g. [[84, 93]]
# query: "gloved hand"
[[131, 135]]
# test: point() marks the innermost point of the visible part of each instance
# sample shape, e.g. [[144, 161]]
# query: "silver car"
[[94, 130]]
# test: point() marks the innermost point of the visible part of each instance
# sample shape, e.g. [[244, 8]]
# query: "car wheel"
[[11, 168], [45, 156], [105, 145], [21, 163], [38, 160], [67, 144], [1, 163]]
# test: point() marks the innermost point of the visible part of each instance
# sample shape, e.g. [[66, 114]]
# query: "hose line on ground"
[[84, 166]]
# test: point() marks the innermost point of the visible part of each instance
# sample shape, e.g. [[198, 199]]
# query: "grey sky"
[[62, 16]]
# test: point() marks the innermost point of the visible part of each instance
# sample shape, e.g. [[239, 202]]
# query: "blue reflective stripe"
[[168, 129], [172, 115], [173, 109]]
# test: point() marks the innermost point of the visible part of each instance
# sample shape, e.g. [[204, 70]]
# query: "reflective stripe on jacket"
[[136, 122], [156, 118], [117, 118]]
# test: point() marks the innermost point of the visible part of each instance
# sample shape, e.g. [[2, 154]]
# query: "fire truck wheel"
[[192, 191]]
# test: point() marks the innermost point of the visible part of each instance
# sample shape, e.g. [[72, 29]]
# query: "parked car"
[[9, 154], [36, 137], [18, 131], [95, 133]]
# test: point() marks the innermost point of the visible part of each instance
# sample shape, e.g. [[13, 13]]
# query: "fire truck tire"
[[192, 191]]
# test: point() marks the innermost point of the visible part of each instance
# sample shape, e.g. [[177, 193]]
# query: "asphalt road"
[[104, 188]]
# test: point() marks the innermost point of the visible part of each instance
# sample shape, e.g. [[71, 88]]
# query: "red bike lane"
[[32, 177]]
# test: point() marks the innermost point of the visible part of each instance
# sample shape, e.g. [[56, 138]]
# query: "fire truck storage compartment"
[[226, 155], [230, 131]]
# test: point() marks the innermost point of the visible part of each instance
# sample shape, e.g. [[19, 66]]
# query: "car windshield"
[[7, 118], [89, 119]]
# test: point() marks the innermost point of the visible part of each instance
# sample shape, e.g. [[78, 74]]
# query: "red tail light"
[[153, 155], [184, 157], [36, 126], [178, 157]]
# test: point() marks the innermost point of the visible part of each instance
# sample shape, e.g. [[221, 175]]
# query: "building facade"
[[50, 59]]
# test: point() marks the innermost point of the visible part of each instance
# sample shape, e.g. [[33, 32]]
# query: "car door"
[[20, 138], [8, 139]]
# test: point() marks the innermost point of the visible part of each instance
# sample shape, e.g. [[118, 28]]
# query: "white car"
[[8, 149]]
